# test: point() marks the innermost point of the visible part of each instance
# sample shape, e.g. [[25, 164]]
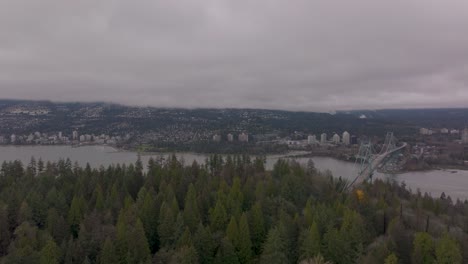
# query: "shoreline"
[[290, 154]]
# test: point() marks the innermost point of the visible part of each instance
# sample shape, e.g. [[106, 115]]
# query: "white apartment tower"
[[217, 138], [323, 138], [346, 138], [243, 137], [464, 136], [336, 139], [311, 139]]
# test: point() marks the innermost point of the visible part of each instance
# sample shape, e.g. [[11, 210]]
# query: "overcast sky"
[[314, 55]]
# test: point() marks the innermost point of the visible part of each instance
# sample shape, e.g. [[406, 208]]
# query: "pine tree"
[[336, 248], [149, 217], [75, 215], [185, 255], [274, 249], [448, 251], [232, 231], [138, 248], [4, 232], [204, 244], [218, 217], [132, 246], [191, 211], [226, 253], [244, 244], [185, 239], [108, 253], [166, 224], [50, 253], [99, 204], [310, 245], [257, 228]]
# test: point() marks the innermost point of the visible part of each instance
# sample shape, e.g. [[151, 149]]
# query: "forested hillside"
[[228, 211]]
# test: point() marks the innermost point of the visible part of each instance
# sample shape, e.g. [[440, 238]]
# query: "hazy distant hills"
[[17, 116], [448, 117]]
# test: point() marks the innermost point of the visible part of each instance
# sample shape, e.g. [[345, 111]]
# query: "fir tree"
[[218, 217], [226, 253], [310, 245], [274, 248], [108, 253], [50, 254], [257, 228], [244, 244], [191, 211]]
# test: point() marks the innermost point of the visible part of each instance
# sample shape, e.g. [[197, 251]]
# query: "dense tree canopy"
[[230, 210]]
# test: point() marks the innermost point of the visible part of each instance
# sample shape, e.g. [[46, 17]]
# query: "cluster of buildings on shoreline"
[[445, 131], [345, 139], [38, 138], [242, 137]]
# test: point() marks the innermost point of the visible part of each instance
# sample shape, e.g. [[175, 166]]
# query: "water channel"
[[452, 182]]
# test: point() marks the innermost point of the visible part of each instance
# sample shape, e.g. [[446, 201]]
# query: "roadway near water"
[[434, 182]]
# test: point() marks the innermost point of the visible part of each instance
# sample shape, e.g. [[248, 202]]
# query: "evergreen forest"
[[227, 210]]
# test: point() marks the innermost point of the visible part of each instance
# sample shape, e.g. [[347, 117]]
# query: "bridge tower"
[[389, 144], [363, 162], [368, 160]]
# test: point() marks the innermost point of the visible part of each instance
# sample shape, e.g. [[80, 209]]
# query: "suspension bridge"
[[368, 160]]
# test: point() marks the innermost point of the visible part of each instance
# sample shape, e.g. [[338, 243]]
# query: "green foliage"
[[448, 251], [132, 246], [108, 253], [232, 231], [204, 244], [218, 217], [244, 244], [166, 224], [311, 244], [226, 253], [227, 211], [257, 228], [274, 248], [391, 259], [75, 215], [423, 248], [191, 211], [50, 254]]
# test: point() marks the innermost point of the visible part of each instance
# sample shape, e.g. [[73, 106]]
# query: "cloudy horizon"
[[270, 54]]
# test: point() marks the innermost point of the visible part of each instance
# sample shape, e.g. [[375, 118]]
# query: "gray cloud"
[[296, 55]]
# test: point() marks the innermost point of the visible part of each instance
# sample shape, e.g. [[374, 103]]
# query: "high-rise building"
[[464, 136], [75, 135], [336, 139], [230, 137], [311, 139], [243, 137], [425, 131], [13, 138], [323, 138], [217, 138], [346, 138]]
